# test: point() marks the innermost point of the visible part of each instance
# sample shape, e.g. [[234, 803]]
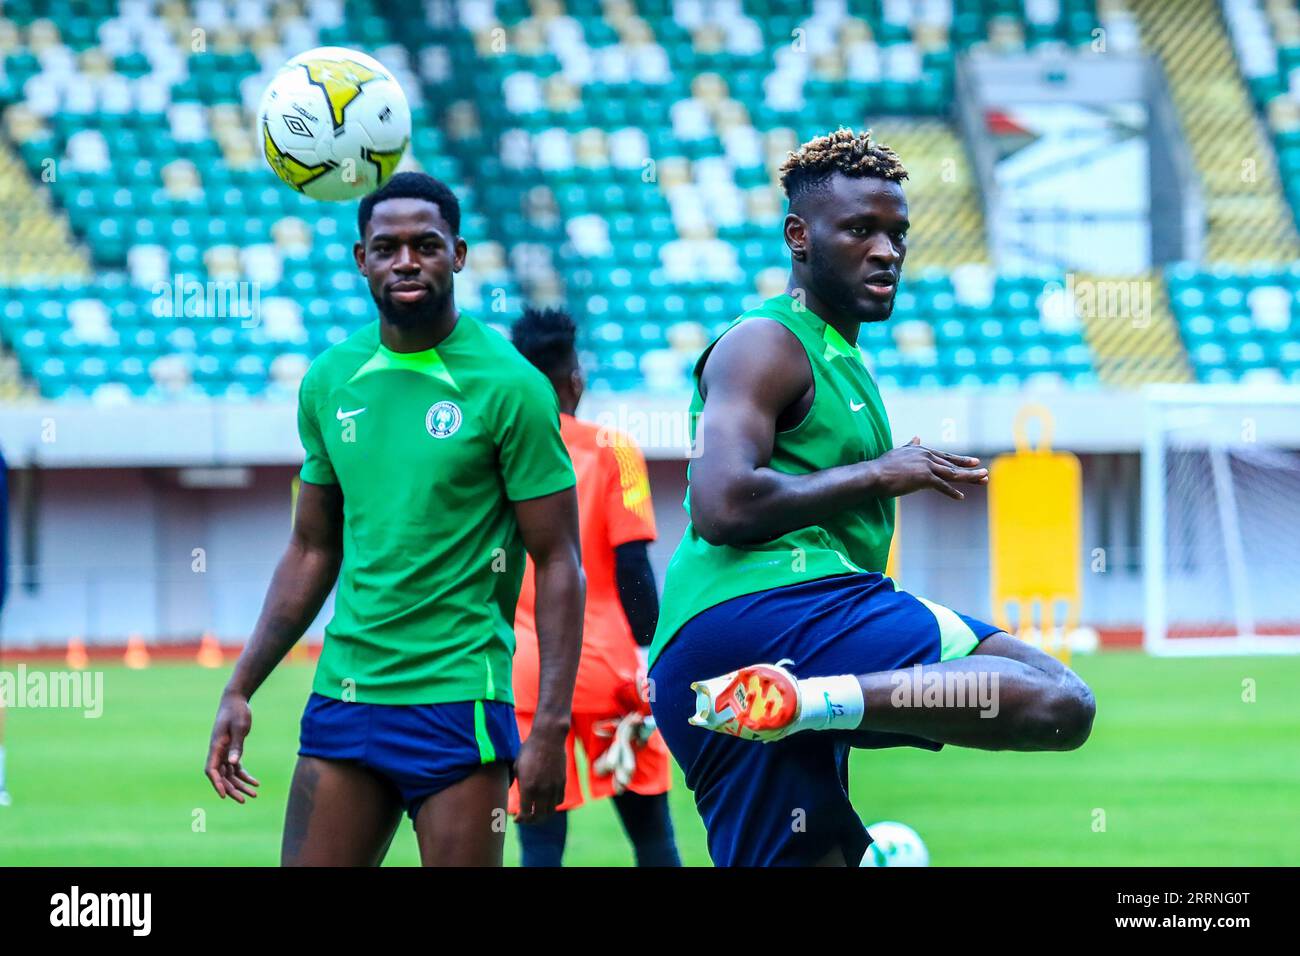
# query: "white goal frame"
[[1170, 407]]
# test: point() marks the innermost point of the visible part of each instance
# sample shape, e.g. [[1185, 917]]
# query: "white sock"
[[831, 703]]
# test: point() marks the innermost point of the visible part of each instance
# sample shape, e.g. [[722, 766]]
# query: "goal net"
[[1221, 519]]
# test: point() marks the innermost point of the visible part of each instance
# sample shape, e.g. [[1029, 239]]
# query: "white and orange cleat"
[[759, 702]]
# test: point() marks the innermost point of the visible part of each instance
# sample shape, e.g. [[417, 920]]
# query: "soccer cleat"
[[5, 799], [760, 702]]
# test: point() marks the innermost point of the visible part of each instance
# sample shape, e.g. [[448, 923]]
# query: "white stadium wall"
[[103, 542], [123, 551], [113, 552]]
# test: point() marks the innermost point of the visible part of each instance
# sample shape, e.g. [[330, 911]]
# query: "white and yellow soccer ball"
[[334, 123], [895, 844]]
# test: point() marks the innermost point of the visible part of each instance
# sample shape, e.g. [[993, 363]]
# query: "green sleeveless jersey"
[[845, 425]]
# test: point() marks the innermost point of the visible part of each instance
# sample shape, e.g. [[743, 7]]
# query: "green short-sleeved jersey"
[[846, 424], [429, 449]]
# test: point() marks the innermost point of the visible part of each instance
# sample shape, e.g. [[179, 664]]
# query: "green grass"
[[1184, 770]]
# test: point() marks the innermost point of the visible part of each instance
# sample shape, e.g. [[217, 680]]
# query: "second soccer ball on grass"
[[895, 844]]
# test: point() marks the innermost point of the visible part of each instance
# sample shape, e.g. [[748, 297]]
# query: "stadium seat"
[[547, 145]]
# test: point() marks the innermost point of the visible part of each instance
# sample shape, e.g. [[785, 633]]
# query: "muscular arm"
[[302, 581], [636, 590], [303, 578], [755, 373], [549, 527]]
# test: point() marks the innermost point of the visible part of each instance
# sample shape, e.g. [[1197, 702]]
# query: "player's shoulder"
[[340, 361], [771, 321], [617, 452], [759, 344], [777, 307], [496, 354], [606, 438]]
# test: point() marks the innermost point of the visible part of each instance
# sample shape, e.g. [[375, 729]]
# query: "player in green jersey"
[[778, 629], [433, 462]]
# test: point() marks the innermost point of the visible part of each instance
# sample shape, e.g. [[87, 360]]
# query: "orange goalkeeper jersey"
[[613, 509]]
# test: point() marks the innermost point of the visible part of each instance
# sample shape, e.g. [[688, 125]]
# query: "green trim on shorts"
[[956, 639], [486, 752]]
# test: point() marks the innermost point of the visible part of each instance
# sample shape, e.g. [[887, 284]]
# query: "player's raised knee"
[[1067, 714]]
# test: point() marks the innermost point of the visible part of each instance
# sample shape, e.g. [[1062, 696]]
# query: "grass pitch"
[[1183, 768]]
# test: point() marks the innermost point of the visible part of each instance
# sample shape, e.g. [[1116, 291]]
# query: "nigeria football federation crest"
[[443, 419]]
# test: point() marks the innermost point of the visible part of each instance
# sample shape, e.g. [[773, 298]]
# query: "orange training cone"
[[137, 655], [209, 651], [77, 656]]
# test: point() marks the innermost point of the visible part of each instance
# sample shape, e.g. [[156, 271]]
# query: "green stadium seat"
[[626, 291]]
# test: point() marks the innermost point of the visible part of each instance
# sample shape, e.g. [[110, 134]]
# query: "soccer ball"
[[895, 844], [334, 123]]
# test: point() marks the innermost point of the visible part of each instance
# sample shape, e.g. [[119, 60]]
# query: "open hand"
[[913, 467]]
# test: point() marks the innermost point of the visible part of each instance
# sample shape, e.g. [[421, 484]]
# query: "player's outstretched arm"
[[302, 581], [549, 528], [755, 373]]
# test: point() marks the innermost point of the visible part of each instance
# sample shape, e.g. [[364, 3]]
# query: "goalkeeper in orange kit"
[[626, 757]]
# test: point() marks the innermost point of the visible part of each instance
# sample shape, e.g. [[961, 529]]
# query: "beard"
[[844, 296], [413, 315]]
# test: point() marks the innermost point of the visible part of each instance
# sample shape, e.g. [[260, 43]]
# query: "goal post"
[[1221, 519]]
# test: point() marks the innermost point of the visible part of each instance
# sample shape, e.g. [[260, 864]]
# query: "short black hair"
[[811, 166], [547, 338], [412, 186]]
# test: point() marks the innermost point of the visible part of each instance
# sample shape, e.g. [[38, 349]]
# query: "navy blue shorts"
[[422, 749], [787, 803]]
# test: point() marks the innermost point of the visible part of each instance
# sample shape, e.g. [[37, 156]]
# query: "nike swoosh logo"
[[857, 406], [341, 414]]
